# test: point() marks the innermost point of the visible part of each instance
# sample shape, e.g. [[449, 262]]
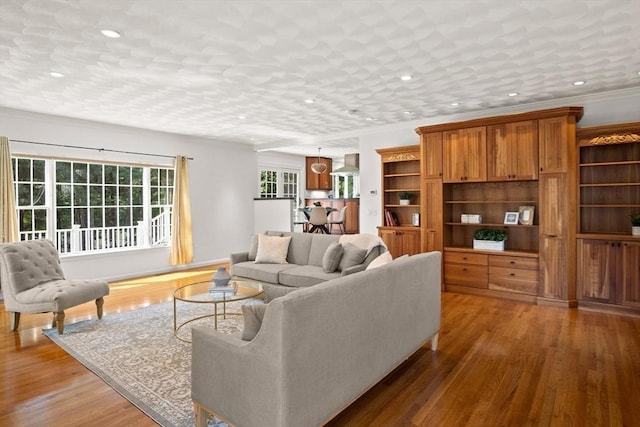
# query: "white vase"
[[221, 277], [635, 230], [404, 201]]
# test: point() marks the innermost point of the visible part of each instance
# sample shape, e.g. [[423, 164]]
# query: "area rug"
[[137, 354]]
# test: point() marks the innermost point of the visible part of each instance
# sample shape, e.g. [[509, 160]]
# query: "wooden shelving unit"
[[400, 173], [608, 193]]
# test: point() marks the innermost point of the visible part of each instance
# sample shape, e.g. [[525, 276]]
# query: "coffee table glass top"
[[200, 292]]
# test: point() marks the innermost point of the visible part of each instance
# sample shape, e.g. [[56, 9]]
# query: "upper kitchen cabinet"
[[512, 151], [319, 181], [465, 158]]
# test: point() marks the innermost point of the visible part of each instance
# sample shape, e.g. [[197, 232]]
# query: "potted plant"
[[491, 239], [404, 197], [635, 224]]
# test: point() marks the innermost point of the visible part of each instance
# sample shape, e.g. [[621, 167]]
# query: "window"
[[346, 186], [94, 206], [279, 183]]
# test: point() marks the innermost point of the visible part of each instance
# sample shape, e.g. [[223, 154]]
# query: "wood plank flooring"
[[499, 363]]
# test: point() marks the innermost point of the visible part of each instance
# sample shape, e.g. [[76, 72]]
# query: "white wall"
[[222, 182], [599, 109]]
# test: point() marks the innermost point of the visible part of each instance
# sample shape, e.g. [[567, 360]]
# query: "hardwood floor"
[[499, 363]]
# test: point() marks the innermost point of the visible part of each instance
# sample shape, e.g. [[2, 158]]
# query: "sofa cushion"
[[253, 248], [383, 259], [272, 249], [253, 315], [305, 275], [299, 248], [319, 245], [260, 272], [351, 256], [331, 258]]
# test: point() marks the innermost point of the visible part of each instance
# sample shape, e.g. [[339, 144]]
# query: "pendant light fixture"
[[318, 167]]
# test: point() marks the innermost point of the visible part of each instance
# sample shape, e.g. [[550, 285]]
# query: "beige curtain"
[[181, 239], [8, 216]]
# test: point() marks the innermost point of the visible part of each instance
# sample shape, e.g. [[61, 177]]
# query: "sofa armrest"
[[239, 257], [353, 269]]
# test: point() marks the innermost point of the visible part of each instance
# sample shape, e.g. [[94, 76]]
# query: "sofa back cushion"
[[320, 244]]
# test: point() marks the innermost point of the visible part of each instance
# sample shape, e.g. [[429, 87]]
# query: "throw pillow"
[[352, 255], [384, 258], [272, 249], [332, 256], [272, 292], [253, 315]]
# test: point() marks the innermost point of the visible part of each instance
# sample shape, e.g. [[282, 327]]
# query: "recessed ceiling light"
[[369, 119], [56, 74], [406, 77], [242, 117], [455, 104], [309, 101], [112, 34], [579, 83], [512, 94], [408, 113]]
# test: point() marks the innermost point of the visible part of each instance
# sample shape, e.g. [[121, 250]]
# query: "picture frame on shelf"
[[511, 218], [526, 215]]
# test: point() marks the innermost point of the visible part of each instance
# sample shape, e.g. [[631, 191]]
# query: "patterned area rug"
[[137, 354]]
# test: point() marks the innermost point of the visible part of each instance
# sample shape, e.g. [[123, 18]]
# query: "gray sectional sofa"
[[304, 266], [318, 348]]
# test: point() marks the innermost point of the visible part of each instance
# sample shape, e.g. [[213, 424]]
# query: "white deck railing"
[[76, 239]]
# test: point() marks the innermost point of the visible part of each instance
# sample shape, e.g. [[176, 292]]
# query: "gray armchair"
[[33, 282]]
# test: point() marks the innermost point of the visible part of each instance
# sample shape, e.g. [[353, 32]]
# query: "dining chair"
[[318, 220], [339, 220]]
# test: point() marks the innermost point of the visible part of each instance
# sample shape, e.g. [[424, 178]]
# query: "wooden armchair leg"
[[99, 304], [58, 322], [14, 320]]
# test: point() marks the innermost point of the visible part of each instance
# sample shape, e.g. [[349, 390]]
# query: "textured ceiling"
[[195, 67]]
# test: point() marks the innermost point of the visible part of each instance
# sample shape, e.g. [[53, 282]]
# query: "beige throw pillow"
[[253, 315], [272, 249], [384, 258], [332, 257]]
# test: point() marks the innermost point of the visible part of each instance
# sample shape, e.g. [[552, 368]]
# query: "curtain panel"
[[8, 215], [181, 238]]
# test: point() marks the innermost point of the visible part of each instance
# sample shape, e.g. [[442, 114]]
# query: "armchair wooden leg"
[[14, 320], [58, 322], [99, 304]]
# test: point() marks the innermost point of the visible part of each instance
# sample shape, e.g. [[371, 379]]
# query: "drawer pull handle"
[[512, 262], [464, 269], [512, 274], [464, 258]]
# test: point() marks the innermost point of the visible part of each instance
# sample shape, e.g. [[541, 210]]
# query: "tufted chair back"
[[28, 264]]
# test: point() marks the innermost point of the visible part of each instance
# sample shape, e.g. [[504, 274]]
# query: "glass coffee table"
[[200, 293]]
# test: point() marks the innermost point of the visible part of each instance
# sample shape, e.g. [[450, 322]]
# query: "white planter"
[[489, 245], [635, 231], [404, 201]]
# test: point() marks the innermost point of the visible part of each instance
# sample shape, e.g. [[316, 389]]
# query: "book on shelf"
[[390, 218]]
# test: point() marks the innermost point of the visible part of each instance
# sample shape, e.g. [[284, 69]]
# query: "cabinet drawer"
[[466, 275], [514, 262], [513, 280], [466, 258]]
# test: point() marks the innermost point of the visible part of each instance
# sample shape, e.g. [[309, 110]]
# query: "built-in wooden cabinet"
[[512, 151], [319, 181], [431, 144], [609, 192], [401, 172], [401, 240], [464, 158], [496, 165]]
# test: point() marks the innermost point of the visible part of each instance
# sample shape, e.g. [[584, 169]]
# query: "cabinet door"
[[432, 221], [321, 181], [631, 274], [553, 204], [512, 151], [432, 155], [598, 270], [553, 267], [553, 145], [401, 242], [465, 155]]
